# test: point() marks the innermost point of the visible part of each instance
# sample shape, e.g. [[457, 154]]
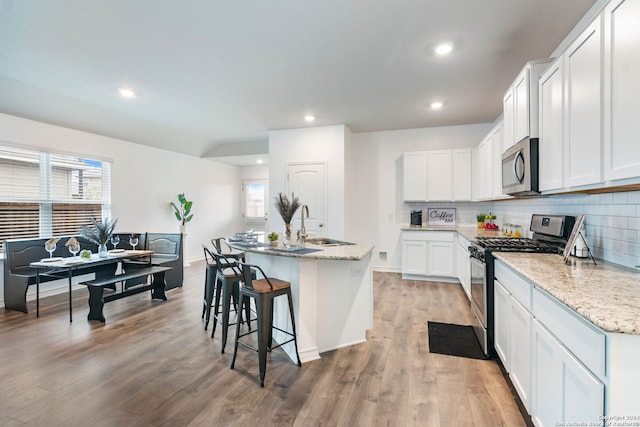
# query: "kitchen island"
[[332, 288]]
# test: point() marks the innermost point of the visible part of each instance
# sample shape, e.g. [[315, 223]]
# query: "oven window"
[[478, 288]]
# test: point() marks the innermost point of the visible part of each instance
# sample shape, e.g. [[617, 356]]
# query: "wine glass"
[[74, 249], [115, 240], [133, 241], [50, 247]]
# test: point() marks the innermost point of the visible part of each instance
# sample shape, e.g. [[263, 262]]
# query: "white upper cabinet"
[[520, 104], [621, 89], [551, 144], [497, 137], [509, 119], [583, 146], [414, 174], [462, 174], [483, 171], [522, 94], [440, 175], [487, 172], [437, 175]]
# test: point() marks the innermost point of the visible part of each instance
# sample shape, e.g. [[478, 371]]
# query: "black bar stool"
[[209, 285], [263, 291], [227, 284]]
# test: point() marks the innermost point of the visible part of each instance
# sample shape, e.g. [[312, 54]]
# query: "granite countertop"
[[354, 252], [606, 294]]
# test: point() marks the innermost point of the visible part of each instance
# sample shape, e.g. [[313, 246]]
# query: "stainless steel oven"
[[480, 289], [550, 236]]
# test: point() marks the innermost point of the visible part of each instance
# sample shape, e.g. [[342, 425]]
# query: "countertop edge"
[[597, 311], [354, 252]]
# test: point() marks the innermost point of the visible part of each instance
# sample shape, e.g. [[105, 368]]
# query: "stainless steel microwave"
[[520, 169]]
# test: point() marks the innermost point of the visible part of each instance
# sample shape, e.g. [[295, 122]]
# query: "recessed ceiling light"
[[126, 92], [443, 48], [259, 161], [309, 118], [436, 105]]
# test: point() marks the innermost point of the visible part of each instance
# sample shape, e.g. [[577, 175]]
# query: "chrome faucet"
[[302, 233]]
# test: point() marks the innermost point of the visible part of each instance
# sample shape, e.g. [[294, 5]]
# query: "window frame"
[[64, 180]]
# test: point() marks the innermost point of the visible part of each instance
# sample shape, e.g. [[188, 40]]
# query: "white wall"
[[144, 180], [317, 144], [377, 172]]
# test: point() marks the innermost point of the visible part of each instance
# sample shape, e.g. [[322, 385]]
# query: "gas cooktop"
[[510, 244]]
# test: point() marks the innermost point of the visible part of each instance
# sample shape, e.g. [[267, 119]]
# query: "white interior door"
[[308, 182], [255, 195]]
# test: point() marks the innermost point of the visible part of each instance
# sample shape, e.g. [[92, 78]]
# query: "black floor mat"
[[454, 340]]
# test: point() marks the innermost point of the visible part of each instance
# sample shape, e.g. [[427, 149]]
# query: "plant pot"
[[273, 243], [480, 224]]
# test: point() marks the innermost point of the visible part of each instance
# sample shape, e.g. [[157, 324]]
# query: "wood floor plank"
[[152, 364]]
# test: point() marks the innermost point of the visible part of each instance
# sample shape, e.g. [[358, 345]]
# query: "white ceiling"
[[213, 73]]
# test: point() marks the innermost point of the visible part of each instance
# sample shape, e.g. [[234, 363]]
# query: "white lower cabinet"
[[512, 340], [537, 340], [464, 265], [564, 391], [428, 254], [520, 353], [414, 257], [502, 324]]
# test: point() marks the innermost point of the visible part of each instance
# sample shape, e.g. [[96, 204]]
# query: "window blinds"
[[45, 194]]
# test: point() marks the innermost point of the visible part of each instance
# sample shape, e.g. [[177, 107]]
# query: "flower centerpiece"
[[99, 232], [286, 209]]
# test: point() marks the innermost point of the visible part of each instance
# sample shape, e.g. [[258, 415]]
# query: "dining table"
[[65, 267]]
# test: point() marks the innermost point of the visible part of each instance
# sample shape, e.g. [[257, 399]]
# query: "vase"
[[102, 250], [286, 238]]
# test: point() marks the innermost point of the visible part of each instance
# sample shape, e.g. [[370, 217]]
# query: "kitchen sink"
[[323, 241]]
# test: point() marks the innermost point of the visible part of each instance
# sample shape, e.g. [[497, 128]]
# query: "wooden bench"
[[96, 288]]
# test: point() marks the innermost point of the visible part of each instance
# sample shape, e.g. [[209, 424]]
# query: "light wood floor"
[[152, 364]]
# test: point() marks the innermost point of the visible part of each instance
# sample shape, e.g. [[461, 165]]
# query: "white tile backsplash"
[[612, 221]]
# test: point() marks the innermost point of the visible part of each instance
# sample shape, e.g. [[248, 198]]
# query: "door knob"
[[320, 225]]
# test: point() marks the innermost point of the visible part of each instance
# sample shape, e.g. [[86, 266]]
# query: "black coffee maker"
[[416, 218]]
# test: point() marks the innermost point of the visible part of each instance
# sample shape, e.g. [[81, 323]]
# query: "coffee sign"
[[442, 216]]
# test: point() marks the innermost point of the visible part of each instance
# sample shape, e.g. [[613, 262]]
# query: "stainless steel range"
[[550, 234]]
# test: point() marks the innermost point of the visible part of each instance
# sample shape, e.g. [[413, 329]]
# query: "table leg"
[[158, 286], [37, 292], [96, 304], [70, 297]]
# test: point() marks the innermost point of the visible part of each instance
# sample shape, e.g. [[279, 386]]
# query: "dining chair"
[[263, 291]]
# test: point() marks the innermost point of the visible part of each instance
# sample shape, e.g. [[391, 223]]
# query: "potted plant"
[[183, 212], [273, 238], [480, 218], [99, 233], [286, 209]]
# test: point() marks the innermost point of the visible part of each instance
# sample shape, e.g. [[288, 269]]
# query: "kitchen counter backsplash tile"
[[469, 232], [606, 294]]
